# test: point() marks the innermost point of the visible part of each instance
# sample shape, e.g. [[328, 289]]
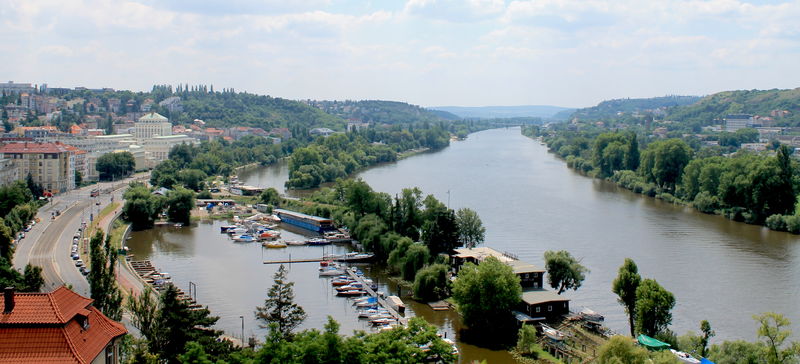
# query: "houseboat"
[[308, 222]]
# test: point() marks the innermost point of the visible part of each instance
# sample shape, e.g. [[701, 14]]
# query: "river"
[[530, 202]]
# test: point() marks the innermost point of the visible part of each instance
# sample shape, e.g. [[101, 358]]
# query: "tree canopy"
[[625, 285], [115, 165], [280, 313], [653, 308], [486, 293], [563, 270]]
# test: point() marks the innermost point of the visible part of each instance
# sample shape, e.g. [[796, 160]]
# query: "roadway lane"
[[52, 252]]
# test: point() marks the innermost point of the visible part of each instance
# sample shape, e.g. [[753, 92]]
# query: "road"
[[48, 244]]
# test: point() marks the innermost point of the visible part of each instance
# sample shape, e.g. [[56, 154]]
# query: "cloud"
[[454, 10]]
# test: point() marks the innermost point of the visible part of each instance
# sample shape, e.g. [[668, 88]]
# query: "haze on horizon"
[[570, 53]]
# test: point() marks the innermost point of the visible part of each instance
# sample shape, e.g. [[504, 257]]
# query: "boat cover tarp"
[[651, 343], [706, 361]]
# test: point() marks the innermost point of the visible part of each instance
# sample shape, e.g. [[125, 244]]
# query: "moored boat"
[[354, 292], [244, 238], [684, 357], [317, 241], [295, 242], [591, 316], [331, 271], [226, 228], [273, 244], [552, 333]]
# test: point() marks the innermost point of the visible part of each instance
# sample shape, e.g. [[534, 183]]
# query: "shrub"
[[705, 202], [776, 222]]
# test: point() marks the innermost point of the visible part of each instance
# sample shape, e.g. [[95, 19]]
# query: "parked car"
[[75, 256], [79, 263]]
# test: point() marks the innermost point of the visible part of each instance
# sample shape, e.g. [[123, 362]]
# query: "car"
[[75, 256], [27, 228], [76, 236], [85, 271], [97, 203], [79, 263], [95, 193]]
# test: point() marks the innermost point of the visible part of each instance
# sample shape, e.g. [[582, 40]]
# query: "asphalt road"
[[49, 243]]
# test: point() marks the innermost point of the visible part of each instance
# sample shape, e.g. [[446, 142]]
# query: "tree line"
[[757, 188], [18, 207]]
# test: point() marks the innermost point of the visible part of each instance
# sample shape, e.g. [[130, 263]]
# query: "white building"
[[157, 148], [735, 122], [150, 125], [8, 172]]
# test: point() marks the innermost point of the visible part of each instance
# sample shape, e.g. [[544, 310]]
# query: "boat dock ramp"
[[381, 301], [159, 281]]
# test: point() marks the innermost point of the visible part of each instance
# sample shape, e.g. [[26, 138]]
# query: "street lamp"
[[242, 317]]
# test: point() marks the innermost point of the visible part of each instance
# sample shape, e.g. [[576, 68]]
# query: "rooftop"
[[153, 117], [49, 328], [536, 296], [33, 148]]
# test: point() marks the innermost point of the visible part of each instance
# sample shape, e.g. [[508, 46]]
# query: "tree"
[[708, 333], [737, 352], [141, 207], [102, 280], [35, 188], [145, 310], [632, 153], [192, 178], [663, 162], [32, 278], [564, 272], [621, 350], [78, 178], [415, 258], [180, 203], [115, 165], [486, 294], [270, 196], [625, 286], [653, 306], [279, 307], [6, 239], [439, 231], [785, 190], [527, 339], [432, 283], [470, 228], [773, 331]]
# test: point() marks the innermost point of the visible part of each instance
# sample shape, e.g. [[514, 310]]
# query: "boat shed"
[[530, 276], [543, 305]]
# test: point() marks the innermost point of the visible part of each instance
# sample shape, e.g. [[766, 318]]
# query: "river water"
[[530, 202]]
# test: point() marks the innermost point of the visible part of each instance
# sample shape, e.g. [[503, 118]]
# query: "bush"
[[432, 283], [705, 202], [792, 223]]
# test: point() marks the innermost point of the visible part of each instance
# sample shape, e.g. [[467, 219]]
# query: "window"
[[110, 354], [538, 309], [525, 276]]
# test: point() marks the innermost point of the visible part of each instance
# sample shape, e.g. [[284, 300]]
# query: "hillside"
[[381, 112], [493, 112], [613, 109], [754, 102]]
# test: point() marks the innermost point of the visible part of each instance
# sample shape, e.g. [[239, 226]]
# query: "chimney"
[[8, 296]]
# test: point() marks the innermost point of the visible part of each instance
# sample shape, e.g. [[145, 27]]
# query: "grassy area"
[[117, 232], [103, 213]]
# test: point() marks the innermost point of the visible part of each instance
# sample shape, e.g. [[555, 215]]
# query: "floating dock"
[[381, 301]]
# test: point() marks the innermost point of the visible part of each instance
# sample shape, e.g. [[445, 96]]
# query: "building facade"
[[151, 125], [50, 164], [157, 148]]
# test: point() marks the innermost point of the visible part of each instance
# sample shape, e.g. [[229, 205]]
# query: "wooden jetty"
[[150, 275], [381, 301], [290, 261]]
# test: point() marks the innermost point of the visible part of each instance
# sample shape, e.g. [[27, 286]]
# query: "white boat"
[[552, 333], [326, 272], [237, 231], [244, 238], [684, 357], [295, 242], [591, 316]]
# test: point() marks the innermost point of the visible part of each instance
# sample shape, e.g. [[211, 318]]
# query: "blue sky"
[[426, 52]]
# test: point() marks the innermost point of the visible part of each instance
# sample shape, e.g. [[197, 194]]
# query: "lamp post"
[[242, 317]]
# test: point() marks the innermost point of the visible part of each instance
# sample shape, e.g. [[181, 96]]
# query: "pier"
[[381, 301]]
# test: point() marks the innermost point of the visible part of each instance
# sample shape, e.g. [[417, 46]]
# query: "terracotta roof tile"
[[32, 148]]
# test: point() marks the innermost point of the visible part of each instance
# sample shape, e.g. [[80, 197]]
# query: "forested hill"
[[613, 109], [381, 112], [782, 105], [228, 108]]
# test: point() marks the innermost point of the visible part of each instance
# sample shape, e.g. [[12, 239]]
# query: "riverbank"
[[686, 188]]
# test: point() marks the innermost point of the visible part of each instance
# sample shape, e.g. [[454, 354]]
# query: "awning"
[[651, 343], [706, 361]]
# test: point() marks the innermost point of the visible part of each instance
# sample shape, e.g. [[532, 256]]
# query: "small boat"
[[295, 242], [383, 321], [396, 303], [244, 238], [368, 312], [351, 293], [326, 272], [318, 241], [336, 237], [269, 234], [341, 282], [370, 302], [237, 231], [552, 333], [273, 244], [226, 228], [350, 287], [591, 316], [178, 224], [684, 357]]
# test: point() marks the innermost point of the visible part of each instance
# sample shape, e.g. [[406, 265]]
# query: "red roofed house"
[[57, 327]]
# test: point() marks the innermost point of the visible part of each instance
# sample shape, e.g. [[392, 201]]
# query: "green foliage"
[[141, 207], [102, 281], [279, 312], [432, 283], [470, 228], [270, 196], [563, 270], [625, 285], [399, 345], [653, 308], [439, 229], [115, 165], [527, 340], [760, 102], [621, 350], [663, 162], [708, 333], [12, 195], [180, 203], [690, 343], [194, 355], [382, 112], [737, 352], [192, 178], [415, 258], [31, 281], [486, 294], [617, 108], [773, 332], [204, 195]]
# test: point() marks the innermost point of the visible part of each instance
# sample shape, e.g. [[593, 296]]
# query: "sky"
[[425, 52]]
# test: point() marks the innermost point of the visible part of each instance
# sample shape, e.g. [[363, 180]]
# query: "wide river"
[[530, 202]]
